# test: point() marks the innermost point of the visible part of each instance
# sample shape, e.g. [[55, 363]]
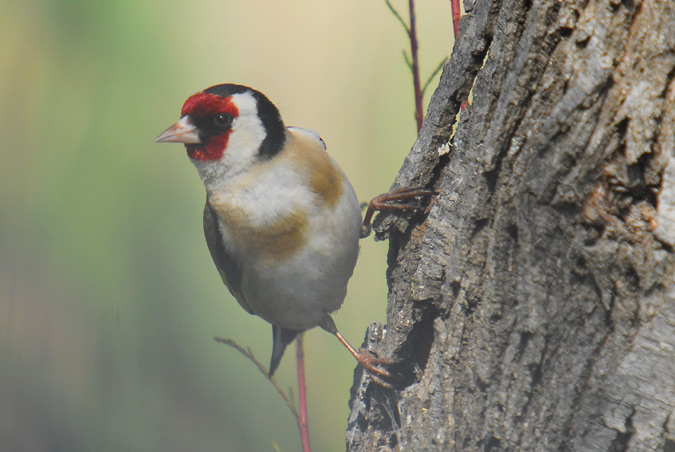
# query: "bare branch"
[[251, 357]]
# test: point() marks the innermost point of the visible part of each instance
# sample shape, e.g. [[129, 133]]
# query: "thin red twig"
[[456, 14], [303, 423], [412, 33]]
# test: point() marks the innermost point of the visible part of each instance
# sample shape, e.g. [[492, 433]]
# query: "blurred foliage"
[[108, 297]]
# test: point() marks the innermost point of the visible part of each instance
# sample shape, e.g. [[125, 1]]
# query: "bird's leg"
[[392, 201], [366, 359]]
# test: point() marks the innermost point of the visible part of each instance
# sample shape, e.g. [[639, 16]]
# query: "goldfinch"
[[281, 220]]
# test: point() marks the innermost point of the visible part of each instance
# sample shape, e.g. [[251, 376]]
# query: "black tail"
[[281, 338]]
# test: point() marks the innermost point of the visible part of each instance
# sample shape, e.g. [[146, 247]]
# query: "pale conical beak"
[[181, 132]]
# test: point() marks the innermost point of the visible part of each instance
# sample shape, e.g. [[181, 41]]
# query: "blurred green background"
[[108, 297]]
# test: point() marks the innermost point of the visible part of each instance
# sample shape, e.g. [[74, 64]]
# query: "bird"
[[281, 219]]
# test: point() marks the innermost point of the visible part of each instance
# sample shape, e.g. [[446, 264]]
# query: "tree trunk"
[[534, 307]]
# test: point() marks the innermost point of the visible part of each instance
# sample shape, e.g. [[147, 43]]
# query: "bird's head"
[[229, 124]]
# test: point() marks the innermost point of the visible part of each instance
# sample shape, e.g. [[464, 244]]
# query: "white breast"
[[310, 279], [297, 293]]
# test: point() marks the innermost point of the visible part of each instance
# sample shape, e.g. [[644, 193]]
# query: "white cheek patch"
[[246, 104], [247, 135], [243, 144]]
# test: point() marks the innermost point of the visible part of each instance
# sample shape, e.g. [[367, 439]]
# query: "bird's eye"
[[223, 120]]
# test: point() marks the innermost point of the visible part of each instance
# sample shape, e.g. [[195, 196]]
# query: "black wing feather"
[[228, 266], [230, 271]]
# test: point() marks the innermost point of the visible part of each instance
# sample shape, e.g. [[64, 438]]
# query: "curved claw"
[[391, 201], [370, 362]]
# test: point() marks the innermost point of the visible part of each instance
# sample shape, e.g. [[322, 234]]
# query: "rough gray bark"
[[534, 307]]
